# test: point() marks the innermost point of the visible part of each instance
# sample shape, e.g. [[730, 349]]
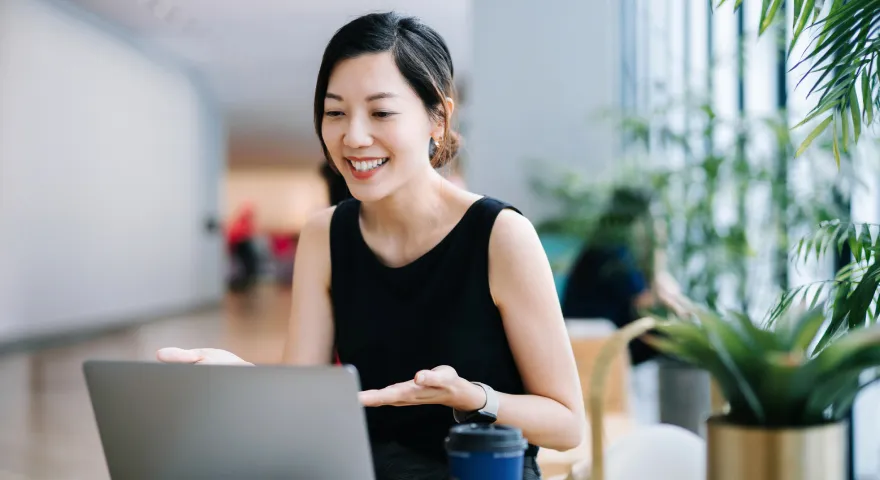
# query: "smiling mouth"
[[364, 166]]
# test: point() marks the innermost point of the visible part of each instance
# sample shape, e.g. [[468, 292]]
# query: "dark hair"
[[627, 205], [421, 56], [336, 187]]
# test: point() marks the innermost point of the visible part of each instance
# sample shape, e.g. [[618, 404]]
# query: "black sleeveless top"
[[437, 310]]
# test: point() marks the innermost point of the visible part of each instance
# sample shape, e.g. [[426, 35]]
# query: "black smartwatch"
[[487, 414]]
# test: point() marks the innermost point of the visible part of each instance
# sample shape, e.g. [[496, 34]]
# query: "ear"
[[438, 127]]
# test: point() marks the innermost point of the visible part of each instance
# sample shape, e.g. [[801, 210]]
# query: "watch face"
[[481, 417]]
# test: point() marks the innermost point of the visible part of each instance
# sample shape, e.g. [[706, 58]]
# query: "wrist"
[[468, 397]]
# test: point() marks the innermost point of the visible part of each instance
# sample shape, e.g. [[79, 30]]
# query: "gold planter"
[[749, 453]]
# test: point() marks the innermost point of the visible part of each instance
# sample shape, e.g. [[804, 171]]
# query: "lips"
[[363, 168]]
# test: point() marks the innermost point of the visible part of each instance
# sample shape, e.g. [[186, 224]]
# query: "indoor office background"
[[133, 133]]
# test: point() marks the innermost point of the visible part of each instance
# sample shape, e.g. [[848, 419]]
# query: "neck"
[[410, 209]]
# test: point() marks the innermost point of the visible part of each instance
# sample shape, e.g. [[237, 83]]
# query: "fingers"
[[202, 356], [397, 394], [179, 355], [428, 386], [371, 398], [437, 377]]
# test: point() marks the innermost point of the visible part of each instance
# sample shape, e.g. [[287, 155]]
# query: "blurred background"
[[158, 158]]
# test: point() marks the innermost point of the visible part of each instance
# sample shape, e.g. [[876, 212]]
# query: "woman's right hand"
[[199, 356]]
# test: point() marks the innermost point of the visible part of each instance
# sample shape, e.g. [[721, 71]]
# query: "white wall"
[[541, 72], [109, 163]]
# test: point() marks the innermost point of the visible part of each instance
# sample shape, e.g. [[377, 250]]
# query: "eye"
[[384, 114], [333, 113]]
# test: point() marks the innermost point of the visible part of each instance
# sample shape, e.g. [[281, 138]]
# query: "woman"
[[424, 287], [619, 273]]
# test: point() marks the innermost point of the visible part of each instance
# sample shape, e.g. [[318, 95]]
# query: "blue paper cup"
[[483, 452]]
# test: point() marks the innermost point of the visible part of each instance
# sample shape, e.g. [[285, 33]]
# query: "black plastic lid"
[[474, 437]]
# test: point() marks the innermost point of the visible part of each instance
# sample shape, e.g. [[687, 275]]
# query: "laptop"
[[178, 421]]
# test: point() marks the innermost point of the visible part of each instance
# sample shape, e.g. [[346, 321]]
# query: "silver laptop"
[[176, 421]]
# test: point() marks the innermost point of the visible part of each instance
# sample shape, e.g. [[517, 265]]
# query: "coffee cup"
[[481, 452]]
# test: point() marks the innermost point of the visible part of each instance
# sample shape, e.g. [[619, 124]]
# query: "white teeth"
[[367, 165]]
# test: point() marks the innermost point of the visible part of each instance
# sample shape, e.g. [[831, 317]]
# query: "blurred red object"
[[242, 226]]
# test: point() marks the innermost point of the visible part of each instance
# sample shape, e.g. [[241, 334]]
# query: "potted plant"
[[787, 400]]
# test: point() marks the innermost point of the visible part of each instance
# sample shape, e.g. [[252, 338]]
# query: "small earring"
[[437, 143]]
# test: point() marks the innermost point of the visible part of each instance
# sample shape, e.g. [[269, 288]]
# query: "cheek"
[[403, 140], [332, 137]]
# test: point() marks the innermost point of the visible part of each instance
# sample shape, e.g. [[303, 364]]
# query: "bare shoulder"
[[512, 233], [315, 234], [318, 224], [314, 238]]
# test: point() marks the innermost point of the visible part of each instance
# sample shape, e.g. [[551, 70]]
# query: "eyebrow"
[[373, 97]]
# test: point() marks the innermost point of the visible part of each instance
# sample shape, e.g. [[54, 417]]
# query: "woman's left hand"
[[438, 386]]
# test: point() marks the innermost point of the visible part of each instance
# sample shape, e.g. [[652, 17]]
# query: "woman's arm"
[[310, 336], [552, 414], [310, 327]]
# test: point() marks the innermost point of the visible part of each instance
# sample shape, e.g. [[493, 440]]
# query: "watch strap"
[[489, 411]]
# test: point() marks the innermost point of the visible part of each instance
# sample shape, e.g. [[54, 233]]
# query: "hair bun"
[[448, 150]]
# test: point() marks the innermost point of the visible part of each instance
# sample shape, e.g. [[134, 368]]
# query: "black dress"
[[437, 310]]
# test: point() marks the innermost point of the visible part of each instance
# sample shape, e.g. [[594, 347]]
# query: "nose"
[[357, 135]]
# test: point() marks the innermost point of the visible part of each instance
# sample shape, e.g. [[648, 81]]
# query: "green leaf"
[[764, 10], [845, 351], [834, 147], [856, 114], [850, 232], [812, 136], [824, 394], [815, 113], [798, 8], [801, 19], [816, 296], [768, 16], [836, 237], [855, 246], [759, 339], [736, 5], [867, 98], [729, 346], [843, 402], [865, 243], [805, 330]]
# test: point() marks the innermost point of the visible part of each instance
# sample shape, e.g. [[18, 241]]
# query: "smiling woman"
[[442, 299]]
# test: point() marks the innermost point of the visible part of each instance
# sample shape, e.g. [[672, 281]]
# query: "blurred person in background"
[[442, 299], [620, 272], [241, 244]]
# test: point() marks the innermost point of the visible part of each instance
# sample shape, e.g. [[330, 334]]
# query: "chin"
[[369, 184], [369, 193]]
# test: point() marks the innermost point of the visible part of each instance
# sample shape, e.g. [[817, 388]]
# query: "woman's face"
[[375, 126]]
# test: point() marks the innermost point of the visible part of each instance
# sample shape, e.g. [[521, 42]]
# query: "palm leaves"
[[851, 297], [843, 60], [776, 376]]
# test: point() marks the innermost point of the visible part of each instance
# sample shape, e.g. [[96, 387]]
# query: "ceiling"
[[260, 57]]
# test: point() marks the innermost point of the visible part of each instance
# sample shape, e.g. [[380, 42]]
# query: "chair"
[[659, 452], [587, 339]]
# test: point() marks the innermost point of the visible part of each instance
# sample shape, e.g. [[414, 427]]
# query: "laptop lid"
[[178, 421]]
